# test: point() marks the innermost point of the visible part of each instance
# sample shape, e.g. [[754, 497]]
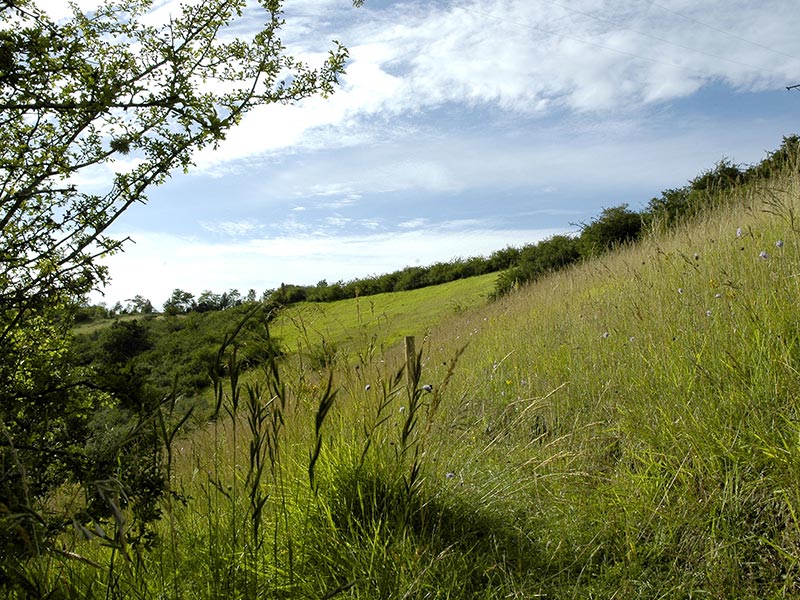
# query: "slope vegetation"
[[627, 427]]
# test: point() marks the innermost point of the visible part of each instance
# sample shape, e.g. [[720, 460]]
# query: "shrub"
[[615, 226]]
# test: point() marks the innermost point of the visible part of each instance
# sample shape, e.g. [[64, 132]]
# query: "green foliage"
[[536, 260], [174, 352], [81, 94], [288, 294], [777, 162], [140, 305], [614, 227], [210, 301], [58, 432], [677, 205], [179, 302], [409, 278], [504, 259], [619, 225], [88, 314]]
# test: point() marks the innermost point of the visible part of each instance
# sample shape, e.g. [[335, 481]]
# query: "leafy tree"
[[787, 155], [179, 302], [104, 87], [678, 204], [410, 278], [614, 226], [86, 313], [535, 260], [230, 299], [503, 259], [102, 90], [288, 294], [554, 254], [208, 301], [671, 206], [125, 340], [139, 304]]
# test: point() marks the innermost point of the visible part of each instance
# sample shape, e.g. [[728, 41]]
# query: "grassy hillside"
[[348, 325], [628, 428]]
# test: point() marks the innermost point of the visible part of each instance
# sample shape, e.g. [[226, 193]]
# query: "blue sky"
[[462, 127]]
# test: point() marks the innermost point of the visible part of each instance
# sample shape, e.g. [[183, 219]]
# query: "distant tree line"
[[409, 278], [614, 227], [181, 302]]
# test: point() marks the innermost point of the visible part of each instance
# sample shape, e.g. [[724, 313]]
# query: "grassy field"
[[383, 318], [629, 428]]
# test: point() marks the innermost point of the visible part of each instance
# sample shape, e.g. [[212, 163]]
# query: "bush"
[[678, 204], [614, 227]]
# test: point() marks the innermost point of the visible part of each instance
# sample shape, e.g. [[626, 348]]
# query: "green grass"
[[386, 318], [628, 428]]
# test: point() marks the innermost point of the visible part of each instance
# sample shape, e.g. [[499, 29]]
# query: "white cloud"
[[522, 57], [337, 221], [515, 56], [232, 228], [413, 224]]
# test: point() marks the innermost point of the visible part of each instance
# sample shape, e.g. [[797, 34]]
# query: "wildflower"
[[779, 244], [763, 254], [427, 387], [739, 232]]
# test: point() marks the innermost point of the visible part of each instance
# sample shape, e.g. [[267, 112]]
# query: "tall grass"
[[627, 428]]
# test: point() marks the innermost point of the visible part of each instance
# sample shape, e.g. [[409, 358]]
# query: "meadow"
[[626, 428]]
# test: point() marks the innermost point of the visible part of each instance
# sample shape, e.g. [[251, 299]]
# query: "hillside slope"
[[626, 428], [348, 324]]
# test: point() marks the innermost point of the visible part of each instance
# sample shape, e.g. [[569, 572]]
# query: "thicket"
[[156, 356], [409, 278]]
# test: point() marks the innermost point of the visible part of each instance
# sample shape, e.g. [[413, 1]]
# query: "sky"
[[462, 127]]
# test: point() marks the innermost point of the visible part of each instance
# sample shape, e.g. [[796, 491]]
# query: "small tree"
[[614, 226], [207, 301], [555, 253], [179, 302], [141, 305]]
